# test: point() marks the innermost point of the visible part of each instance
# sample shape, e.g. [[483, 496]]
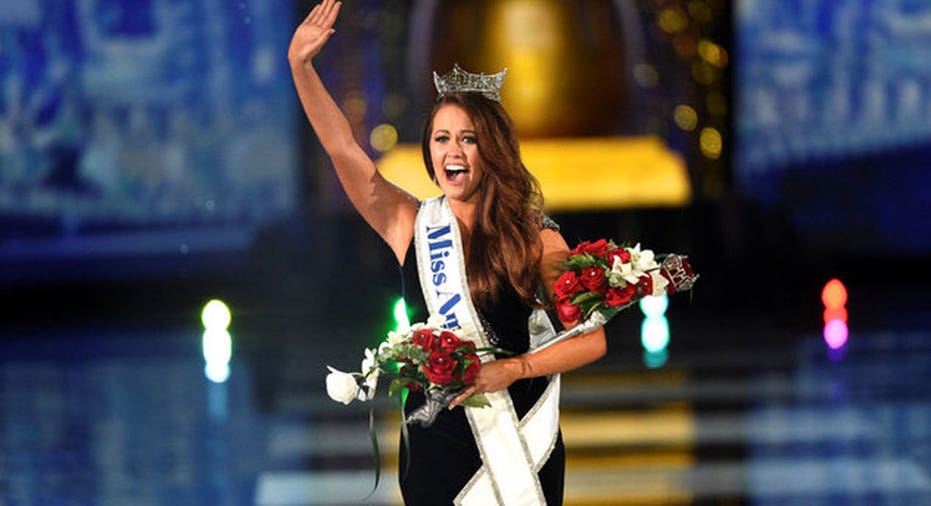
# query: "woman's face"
[[454, 150]]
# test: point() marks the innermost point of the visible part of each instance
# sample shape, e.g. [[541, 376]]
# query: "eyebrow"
[[443, 130]]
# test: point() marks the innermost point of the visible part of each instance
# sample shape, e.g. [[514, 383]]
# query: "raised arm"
[[389, 210]]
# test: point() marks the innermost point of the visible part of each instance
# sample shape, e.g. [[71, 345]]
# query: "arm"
[[389, 210], [561, 357]]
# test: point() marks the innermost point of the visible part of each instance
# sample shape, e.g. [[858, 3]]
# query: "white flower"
[[642, 260], [385, 346], [659, 283], [341, 386], [370, 372], [624, 270], [395, 338]]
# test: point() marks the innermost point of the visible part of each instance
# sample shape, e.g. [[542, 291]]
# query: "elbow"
[[598, 345]]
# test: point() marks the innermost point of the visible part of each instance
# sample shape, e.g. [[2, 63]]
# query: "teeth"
[[456, 168]]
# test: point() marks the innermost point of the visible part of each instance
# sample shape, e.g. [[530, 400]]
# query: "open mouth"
[[456, 173]]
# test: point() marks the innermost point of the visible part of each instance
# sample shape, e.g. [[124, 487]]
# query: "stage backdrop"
[[142, 127], [834, 120]]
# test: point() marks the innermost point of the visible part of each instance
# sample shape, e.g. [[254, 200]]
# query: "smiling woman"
[[453, 147], [500, 257]]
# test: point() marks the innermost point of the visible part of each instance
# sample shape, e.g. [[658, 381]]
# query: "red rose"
[[449, 342], [567, 311], [425, 339], [619, 296], [567, 284], [646, 285], [580, 248], [468, 375], [619, 252], [598, 248], [593, 278], [440, 367]]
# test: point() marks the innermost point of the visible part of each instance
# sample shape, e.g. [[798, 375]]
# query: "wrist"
[[526, 368]]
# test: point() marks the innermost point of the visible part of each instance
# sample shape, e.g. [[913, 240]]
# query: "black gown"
[[444, 457]]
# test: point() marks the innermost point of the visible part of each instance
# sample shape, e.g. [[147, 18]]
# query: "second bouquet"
[[426, 357]]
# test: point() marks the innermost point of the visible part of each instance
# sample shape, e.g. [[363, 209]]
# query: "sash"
[[512, 451]]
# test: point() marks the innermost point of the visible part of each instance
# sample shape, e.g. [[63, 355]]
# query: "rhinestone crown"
[[460, 81]]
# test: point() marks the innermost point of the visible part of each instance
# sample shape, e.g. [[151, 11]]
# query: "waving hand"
[[314, 31]]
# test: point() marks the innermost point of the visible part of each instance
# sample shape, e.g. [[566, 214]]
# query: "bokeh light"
[[685, 117], [835, 313], [654, 333], [672, 20], [646, 75], [835, 334], [834, 294], [216, 315], [711, 143], [384, 137], [712, 53], [217, 349], [402, 321], [217, 342], [654, 306], [834, 297]]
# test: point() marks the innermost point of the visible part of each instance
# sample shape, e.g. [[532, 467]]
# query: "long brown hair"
[[503, 246]]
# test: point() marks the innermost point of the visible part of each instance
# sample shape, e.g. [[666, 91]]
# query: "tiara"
[[460, 81]]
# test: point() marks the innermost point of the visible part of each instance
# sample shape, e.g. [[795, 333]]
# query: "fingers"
[[330, 16], [324, 13], [313, 15], [463, 396]]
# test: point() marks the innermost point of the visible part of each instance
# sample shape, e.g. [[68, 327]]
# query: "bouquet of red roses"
[[601, 279], [425, 357]]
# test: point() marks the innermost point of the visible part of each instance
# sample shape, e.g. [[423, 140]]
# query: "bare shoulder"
[[555, 251], [553, 242]]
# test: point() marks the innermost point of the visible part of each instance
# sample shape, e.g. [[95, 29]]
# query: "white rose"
[[341, 386]]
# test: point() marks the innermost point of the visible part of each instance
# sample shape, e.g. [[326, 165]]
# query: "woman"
[[489, 224]]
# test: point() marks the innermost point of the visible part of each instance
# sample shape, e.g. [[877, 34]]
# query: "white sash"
[[512, 451]]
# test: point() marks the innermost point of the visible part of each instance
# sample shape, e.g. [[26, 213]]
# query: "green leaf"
[[376, 454], [476, 401]]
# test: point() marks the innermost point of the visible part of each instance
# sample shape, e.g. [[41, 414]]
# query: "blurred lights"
[[834, 294], [384, 137], [646, 75], [217, 342], [700, 11], [704, 73], [402, 322], [354, 105], [835, 334], [834, 297], [711, 143], [685, 117], [215, 315], [712, 53], [672, 20], [654, 331], [654, 307]]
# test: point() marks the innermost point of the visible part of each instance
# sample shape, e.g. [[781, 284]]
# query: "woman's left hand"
[[492, 377]]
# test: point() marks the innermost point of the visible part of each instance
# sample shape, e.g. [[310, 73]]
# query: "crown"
[[460, 81]]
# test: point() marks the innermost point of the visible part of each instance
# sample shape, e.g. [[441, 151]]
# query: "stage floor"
[[118, 415]]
